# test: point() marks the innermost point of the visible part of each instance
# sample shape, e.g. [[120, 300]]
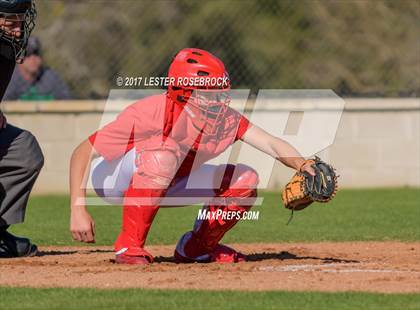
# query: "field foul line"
[[327, 268]]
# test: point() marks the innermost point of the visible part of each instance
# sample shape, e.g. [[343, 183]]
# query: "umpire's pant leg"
[[21, 160]]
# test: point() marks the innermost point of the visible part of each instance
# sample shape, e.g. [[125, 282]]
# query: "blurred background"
[[367, 52], [357, 48]]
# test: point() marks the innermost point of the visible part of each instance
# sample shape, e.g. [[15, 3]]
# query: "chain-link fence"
[[356, 48]]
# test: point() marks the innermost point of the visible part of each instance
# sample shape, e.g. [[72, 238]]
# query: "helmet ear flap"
[[187, 93], [181, 99], [180, 95]]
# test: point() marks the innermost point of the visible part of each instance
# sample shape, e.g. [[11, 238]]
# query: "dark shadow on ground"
[[70, 252], [284, 255]]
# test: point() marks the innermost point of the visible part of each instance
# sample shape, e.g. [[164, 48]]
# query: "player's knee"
[[245, 177], [158, 164], [237, 180], [32, 157]]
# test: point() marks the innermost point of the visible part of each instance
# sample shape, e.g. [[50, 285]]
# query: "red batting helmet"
[[201, 84]]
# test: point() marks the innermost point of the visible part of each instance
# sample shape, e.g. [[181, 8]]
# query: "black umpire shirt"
[[7, 65]]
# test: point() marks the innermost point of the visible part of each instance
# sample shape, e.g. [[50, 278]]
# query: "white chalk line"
[[329, 268]]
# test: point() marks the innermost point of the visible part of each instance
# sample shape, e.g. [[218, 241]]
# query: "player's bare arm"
[[82, 226], [277, 148], [315, 179]]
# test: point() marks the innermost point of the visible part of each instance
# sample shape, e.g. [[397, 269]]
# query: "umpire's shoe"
[[12, 246]]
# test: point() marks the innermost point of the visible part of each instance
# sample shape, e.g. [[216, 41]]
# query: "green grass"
[[377, 214], [27, 298]]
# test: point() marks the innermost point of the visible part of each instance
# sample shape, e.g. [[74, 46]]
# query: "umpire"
[[21, 158]]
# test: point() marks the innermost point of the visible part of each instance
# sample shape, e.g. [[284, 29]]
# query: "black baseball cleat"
[[13, 246]]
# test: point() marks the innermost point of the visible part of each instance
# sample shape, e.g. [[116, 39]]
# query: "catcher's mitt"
[[303, 188]]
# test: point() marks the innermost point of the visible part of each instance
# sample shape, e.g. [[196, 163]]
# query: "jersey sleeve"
[[139, 121], [244, 124], [116, 138]]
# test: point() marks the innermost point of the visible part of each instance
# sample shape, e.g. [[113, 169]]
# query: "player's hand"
[[307, 167], [3, 121], [82, 226]]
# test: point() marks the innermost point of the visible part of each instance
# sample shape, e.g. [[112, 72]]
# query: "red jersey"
[[159, 116]]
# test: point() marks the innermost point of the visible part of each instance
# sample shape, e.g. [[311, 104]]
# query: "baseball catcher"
[[159, 146], [21, 158]]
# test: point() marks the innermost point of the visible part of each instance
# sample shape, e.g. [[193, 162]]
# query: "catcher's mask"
[[19, 14], [205, 105]]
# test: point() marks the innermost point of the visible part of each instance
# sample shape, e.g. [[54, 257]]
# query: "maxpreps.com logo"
[[227, 215]]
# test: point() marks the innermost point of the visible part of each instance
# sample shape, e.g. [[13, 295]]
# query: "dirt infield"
[[354, 266]]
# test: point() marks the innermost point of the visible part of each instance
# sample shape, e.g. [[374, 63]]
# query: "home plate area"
[[388, 267]]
